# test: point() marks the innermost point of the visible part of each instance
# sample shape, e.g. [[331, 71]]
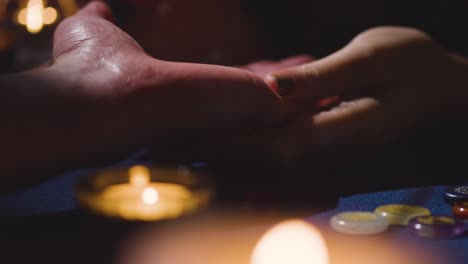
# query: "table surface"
[[37, 212], [44, 225]]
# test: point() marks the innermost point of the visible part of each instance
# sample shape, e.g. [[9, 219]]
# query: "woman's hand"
[[390, 80]]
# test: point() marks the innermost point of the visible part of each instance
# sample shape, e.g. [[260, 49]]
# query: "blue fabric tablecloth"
[[430, 197]]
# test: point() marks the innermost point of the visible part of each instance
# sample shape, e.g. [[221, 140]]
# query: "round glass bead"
[[460, 210], [455, 194], [358, 223], [401, 214], [437, 227]]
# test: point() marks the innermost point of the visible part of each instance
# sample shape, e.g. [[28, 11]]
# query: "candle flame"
[[292, 242], [139, 176], [150, 196]]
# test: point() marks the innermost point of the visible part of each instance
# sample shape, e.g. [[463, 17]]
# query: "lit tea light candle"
[[139, 197]]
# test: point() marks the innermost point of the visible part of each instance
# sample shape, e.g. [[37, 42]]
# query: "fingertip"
[[299, 83]]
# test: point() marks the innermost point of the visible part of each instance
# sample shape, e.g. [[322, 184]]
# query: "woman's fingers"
[[358, 65], [348, 123], [349, 127], [338, 135], [329, 136]]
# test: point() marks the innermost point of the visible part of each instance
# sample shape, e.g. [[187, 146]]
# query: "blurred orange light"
[[34, 16], [22, 17], [3, 9], [50, 15], [68, 7], [292, 242]]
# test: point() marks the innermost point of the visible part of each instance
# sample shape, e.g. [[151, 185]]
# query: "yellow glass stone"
[[401, 214]]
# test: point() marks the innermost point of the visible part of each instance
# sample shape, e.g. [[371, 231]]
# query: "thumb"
[[358, 65], [89, 34]]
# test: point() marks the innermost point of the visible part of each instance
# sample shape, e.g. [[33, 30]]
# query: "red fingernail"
[[282, 85]]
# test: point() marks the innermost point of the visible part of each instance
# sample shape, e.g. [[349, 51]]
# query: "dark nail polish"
[[285, 85]]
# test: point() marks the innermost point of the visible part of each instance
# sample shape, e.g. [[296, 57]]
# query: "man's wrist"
[[46, 126]]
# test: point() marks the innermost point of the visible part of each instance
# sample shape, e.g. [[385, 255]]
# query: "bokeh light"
[[292, 242]]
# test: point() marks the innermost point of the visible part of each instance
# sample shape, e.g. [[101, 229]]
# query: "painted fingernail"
[[285, 85]]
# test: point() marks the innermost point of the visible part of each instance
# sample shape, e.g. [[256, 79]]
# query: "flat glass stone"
[[358, 223], [460, 210], [401, 214], [437, 227], [456, 194]]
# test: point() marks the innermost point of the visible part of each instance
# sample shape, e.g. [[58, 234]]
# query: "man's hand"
[[103, 96]]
